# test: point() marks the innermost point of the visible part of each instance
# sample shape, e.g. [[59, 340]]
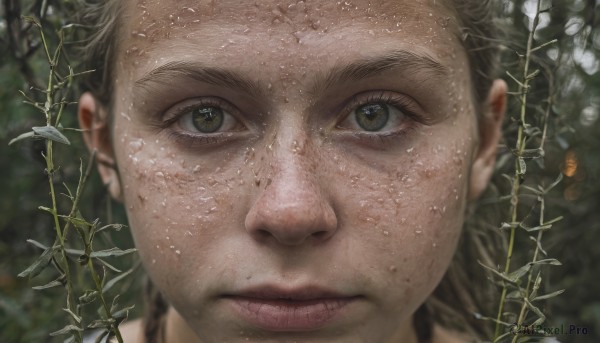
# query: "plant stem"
[[114, 326], [520, 146]]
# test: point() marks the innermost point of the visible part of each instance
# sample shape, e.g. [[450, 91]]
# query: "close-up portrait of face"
[[294, 171], [309, 170]]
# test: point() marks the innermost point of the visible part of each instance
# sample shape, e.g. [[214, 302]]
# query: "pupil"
[[372, 117], [207, 119]]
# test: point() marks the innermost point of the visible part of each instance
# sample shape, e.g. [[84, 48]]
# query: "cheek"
[[176, 206], [404, 220]]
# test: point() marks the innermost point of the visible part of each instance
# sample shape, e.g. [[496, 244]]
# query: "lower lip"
[[289, 315]]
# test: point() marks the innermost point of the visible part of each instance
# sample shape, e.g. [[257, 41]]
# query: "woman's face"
[[294, 169]]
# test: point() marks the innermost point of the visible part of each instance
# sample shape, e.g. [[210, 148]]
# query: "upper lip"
[[273, 292]]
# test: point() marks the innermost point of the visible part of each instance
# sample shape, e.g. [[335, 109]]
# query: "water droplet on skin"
[[178, 252], [418, 232], [386, 233]]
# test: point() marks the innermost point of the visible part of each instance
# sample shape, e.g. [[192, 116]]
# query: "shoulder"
[[444, 335]]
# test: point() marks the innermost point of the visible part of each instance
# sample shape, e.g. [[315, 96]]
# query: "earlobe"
[[490, 132], [93, 120]]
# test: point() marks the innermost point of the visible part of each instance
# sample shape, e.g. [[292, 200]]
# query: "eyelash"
[[401, 103]]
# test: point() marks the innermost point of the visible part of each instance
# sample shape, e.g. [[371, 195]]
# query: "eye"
[[372, 117], [381, 112], [204, 117]]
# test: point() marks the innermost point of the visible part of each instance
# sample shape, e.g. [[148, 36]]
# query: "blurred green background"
[[571, 81]]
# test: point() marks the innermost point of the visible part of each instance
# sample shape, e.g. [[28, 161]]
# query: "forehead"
[[292, 25], [167, 14]]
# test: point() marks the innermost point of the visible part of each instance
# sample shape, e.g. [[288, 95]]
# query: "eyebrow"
[[403, 60], [373, 66], [199, 72]]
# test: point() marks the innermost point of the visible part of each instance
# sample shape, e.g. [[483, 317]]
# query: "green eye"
[[372, 117], [207, 119]]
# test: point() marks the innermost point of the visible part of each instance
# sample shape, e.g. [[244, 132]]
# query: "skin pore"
[[295, 189]]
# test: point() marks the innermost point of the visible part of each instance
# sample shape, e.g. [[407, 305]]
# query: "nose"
[[293, 208]]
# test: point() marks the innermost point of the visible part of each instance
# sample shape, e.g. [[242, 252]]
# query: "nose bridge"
[[293, 207]]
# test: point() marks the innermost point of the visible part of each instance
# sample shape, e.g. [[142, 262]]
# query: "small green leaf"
[[73, 315], [67, 329], [88, 297], [101, 323], [551, 261], [501, 275], [50, 284], [536, 228], [114, 252], [552, 221], [537, 311], [522, 166], [517, 274], [514, 295], [109, 266], [548, 296], [21, 137], [50, 132], [36, 267], [37, 244], [123, 312], [115, 303], [47, 209], [113, 281], [78, 222], [508, 226], [116, 227], [555, 183], [75, 252]]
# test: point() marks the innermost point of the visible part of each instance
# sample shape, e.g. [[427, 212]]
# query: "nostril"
[[320, 234], [263, 234]]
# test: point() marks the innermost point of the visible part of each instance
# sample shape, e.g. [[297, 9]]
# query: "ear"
[[490, 132], [93, 120]]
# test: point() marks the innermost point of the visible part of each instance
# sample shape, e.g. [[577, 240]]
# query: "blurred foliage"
[[27, 315], [571, 83], [569, 87]]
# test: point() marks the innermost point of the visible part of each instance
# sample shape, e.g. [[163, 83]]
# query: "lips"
[[277, 309]]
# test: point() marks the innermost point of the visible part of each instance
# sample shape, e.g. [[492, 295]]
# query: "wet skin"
[[291, 191]]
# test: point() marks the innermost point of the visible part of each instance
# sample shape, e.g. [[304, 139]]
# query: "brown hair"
[[453, 299]]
